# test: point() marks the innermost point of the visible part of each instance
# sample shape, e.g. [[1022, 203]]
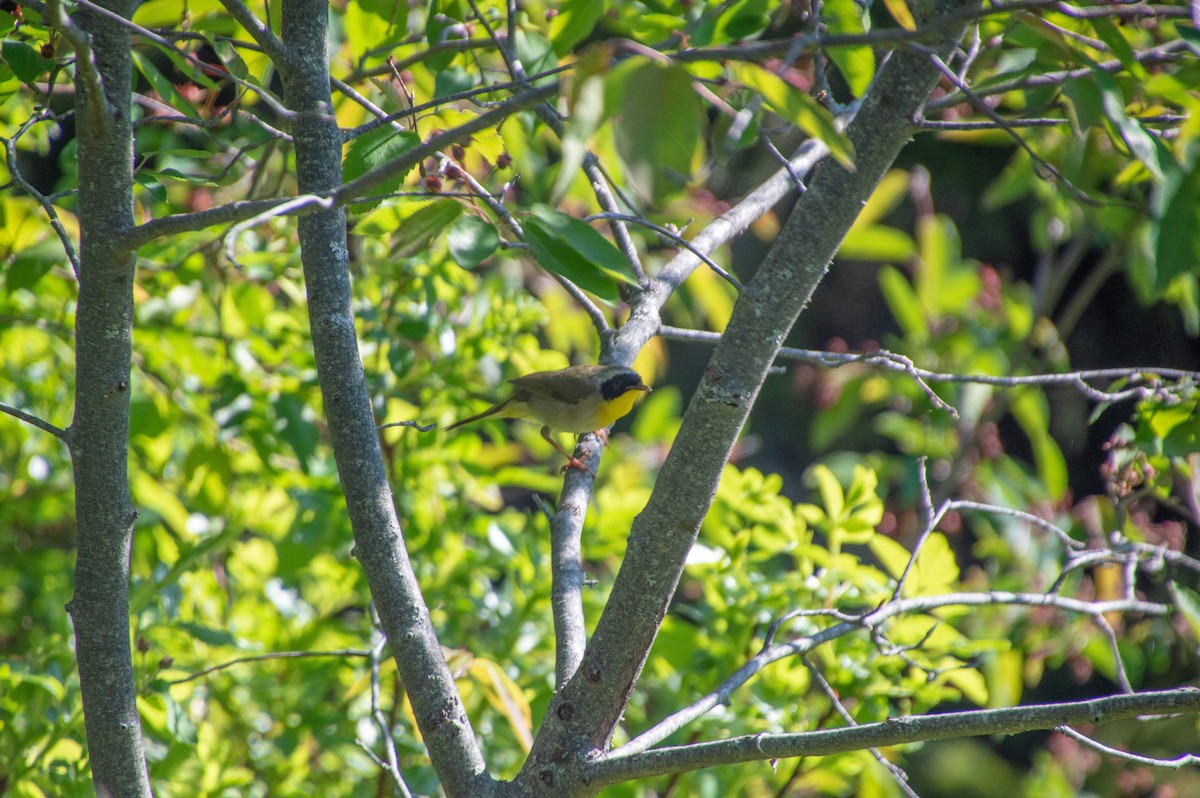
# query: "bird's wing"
[[553, 385]]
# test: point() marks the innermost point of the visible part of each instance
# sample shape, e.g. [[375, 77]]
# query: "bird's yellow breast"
[[589, 415], [617, 407]]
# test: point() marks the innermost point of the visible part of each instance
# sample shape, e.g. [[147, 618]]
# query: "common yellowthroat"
[[575, 399]]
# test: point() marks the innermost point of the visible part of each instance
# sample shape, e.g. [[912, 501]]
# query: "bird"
[[576, 399]]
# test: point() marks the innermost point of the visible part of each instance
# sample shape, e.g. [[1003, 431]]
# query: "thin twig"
[[930, 520], [1183, 760], [897, 774], [33, 420], [392, 767], [345, 652], [674, 237], [599, 320], [895, 362], [310, 201], [870, 621], [414, 424], [10, 156], [987, 111]]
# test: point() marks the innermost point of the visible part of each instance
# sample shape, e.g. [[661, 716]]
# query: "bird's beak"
[[645, 388]]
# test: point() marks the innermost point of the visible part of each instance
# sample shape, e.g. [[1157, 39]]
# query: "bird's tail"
[[491, 411]]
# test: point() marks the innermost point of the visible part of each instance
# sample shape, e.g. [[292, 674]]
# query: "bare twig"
[[392, 766], [897, 774], [33, 420], [675, 238], [895, 362], [1183, 760], [308, 201], [349, 192], [1000, 121], [10, 157], [415, 425], [345, 652]]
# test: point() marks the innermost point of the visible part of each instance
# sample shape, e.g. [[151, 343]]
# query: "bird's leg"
[[572, 460], [602, 434]]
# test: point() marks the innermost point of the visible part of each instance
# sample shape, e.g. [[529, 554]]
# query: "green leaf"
[[1190, 36], [659, 127], [162, 86], [903, 302], [32, 264], [372, 150], [1143, 145], [1187, 601], [26, 62], [230, 58], [1174, 232], [472, 241], [207, 634], [798, 108], [537, 54], [1087, 104], [856, 62], [1032, 412], [174, 174], [832, 497], [1120, 46], [568, 247], [742, 20], [444, 23], [417, 229], [575, 21], [601, 253], [878, 243]]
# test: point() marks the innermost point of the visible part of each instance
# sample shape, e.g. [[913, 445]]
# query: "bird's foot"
[[575, 462]]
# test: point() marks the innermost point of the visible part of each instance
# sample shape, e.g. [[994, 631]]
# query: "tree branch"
[[894, 731], [583, 716], [260, 32], [349, 192], [99, 439], [45, 426], [14, 169], [870, 621], [379, 541], [896, 362]]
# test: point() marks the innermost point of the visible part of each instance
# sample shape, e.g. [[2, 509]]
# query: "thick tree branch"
[[894, 731], [584, 714], [99, 434], [379, 541]]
